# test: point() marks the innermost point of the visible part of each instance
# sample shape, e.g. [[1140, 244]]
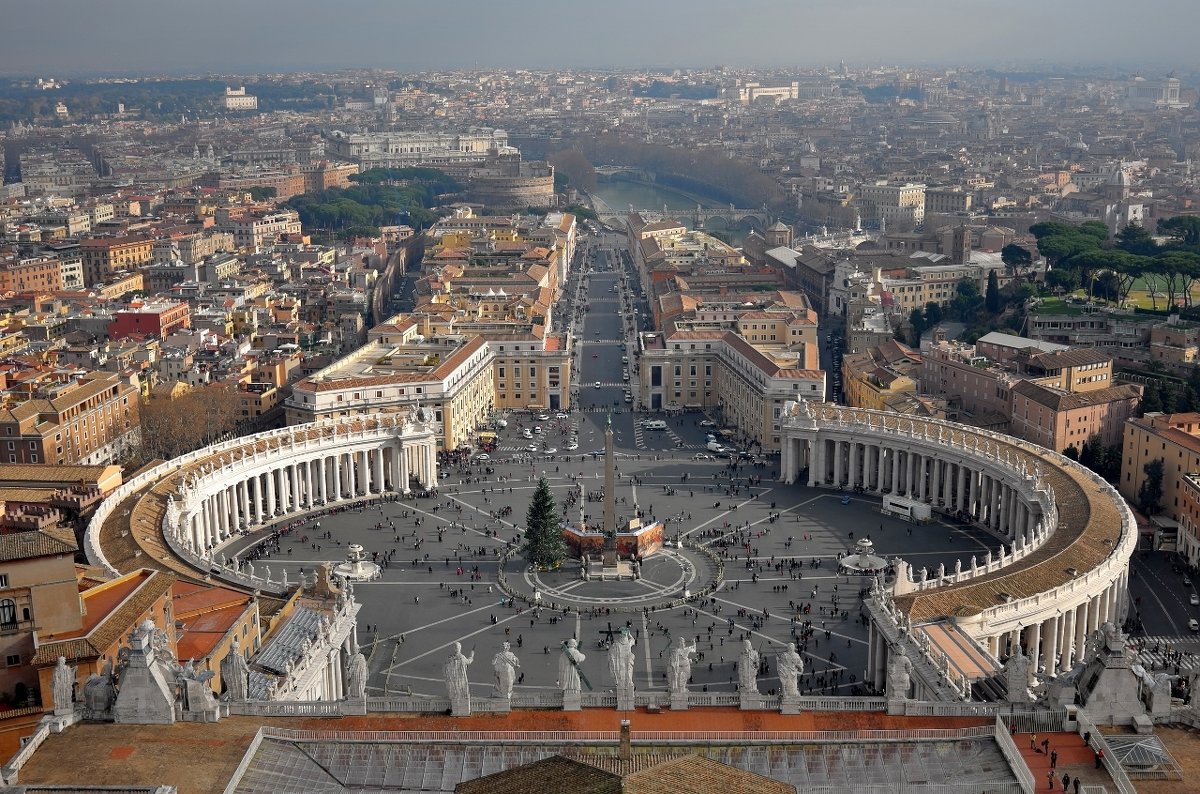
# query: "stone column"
[[895, 480], [336, 458], [1067, 628], [1050, 644], [379, 486], [838, 448], [1034, 641]]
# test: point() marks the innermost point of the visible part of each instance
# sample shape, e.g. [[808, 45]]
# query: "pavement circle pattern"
[[665, 577]]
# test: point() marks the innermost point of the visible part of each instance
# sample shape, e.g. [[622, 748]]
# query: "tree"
[[993, 293], [1150, 492], [544, 543], [1134, 239], [933, 313], [1185, 228], [1016, 257], [174, 427], [917, 321], [576, 167], [1071, 453], [1152, 399]]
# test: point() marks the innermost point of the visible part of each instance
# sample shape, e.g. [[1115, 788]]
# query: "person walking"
[[1033, 742], [1053, 758], [1050, 779], [1066, 781]]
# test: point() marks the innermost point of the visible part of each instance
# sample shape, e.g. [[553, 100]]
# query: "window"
[[3, 580], [13, 660], [8, 612]]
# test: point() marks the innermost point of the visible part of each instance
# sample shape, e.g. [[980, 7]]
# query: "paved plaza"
[[439, 584]]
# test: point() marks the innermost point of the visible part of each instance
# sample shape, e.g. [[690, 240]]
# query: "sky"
[[102, 37]]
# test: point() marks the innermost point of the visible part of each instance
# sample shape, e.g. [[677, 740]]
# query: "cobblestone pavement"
[[439, 587]]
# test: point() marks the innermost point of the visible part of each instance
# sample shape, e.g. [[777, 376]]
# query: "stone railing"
[[934, 672], [1008, 748], [1111, 764], [286, 708], [225, 573], [11, 770]]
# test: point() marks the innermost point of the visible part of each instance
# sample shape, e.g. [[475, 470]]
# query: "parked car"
[[707, 423]]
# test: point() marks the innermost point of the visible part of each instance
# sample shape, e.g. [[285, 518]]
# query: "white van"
[[654, 424], [714, 446]]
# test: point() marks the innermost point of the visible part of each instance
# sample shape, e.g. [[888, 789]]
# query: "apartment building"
[[874, 377], [746, 381], [91, 420], [253, 230], [159, 319], [105, 256], [34, 274], [900, 206], [1172, 438], [39, 593], [451, 376], [1044, 393]]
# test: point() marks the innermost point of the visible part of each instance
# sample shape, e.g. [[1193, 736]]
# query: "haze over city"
[[145, 36], [519, 396]]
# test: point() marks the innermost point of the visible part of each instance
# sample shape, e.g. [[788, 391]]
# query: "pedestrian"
[[1099, 758], [1087, 738], [1075, 784], [1045, 747], [1050, 779], [1053, 759], [1066, 781], [1033, 742]]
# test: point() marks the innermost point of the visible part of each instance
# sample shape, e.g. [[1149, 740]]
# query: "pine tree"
[[544, 543]]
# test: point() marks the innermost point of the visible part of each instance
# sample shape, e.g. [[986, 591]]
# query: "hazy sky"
[[49, 37]]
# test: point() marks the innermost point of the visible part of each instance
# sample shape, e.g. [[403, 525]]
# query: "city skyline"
[[139, 37]]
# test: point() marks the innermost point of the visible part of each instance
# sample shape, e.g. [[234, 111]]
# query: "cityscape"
[[450, 414]]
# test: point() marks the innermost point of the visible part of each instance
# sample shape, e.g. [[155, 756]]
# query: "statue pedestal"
[[789, 705], [750, 701], [460, 709], [625, 700], [572, 701], [355, 706], [895, 706], [679, 701], [502, 705]]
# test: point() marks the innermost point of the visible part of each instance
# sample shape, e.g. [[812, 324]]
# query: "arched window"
[[8, 612]]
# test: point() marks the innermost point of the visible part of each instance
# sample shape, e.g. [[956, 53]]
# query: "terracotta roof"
[[1059, 400], [555, 773], [47, 542], [111, 611], [695, 774]]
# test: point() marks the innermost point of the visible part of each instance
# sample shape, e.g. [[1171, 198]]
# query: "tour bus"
[[654, 424]]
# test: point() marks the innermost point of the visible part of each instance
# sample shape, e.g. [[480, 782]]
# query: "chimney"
[[625, 750]]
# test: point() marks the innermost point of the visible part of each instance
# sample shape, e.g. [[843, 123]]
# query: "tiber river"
[[619, 195]]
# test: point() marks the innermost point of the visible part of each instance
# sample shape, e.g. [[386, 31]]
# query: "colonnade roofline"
[[129, 527], [1088, 550]]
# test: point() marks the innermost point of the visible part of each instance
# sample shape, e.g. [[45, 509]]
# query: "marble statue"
[[899, 675], [568, 667], [99, 693], [679, 670], [791, 667], [356, 677], [620, 660], [235, 674], [748, 669], [1016, 676], [505, 663], [455, 673], [63, 684]]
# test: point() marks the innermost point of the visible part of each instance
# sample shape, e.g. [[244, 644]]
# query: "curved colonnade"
[[190, 506], [1067, 535]]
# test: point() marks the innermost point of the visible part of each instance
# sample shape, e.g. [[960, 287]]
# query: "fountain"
[[357, 568], [863, 561]]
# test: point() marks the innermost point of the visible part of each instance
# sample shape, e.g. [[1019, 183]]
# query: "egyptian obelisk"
[[610, 484]]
